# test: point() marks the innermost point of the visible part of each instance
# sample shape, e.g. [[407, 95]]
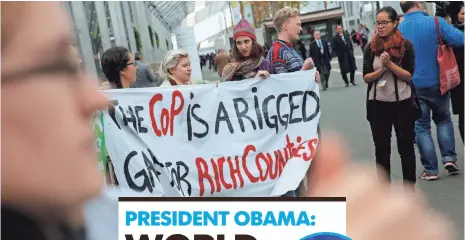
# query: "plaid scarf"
[[245, 69]]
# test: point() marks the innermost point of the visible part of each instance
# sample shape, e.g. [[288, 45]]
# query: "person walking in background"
[[344, 50], [319, 52], [362, 36], [145, 76], [388, 66], [457, 100], [176, 68], [248, 56], [221, 60], [420, 29], [119, 67]]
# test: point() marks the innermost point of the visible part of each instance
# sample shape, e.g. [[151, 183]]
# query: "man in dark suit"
[[319, 51], [145, 76], [344, 49]]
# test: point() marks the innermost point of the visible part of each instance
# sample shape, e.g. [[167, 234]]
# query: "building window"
[[167, 45], [350, 8], [157, 39], [109, 24], [125, 27]]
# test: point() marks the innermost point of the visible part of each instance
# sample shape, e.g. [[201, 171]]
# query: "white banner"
[[246, 138]]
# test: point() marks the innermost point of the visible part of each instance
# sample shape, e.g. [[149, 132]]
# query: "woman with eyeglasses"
[[119, 67], [388, 65], [247, 55], [176, 68]]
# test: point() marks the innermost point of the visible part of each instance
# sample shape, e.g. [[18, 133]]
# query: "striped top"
[[284, 57]]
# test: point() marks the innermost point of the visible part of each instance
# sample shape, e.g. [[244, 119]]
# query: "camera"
[[441, 8]]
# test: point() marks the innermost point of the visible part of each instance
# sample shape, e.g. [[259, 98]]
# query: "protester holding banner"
[[248, 55], [119, 67], [282, 53], [176, 68], [388, 66]]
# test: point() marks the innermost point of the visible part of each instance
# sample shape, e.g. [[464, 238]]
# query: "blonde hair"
[[171, 60], [282, 15]]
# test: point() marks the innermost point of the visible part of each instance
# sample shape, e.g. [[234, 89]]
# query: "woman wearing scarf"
[[388, 65], [248, 56]]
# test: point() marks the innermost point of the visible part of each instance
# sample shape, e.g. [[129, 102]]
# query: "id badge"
[[381, 82]]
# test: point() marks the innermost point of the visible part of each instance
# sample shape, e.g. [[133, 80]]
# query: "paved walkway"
[[445, 195]]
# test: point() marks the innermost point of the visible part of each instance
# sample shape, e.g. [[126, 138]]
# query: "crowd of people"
[[48, 156], [402, 72]]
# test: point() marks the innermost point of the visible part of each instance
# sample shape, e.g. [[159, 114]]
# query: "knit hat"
[[244, 28]]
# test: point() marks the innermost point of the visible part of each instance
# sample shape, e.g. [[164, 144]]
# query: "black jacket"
[[344, 52], [321, 61], [457, 99]]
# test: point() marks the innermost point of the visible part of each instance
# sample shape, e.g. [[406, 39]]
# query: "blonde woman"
[[176, 68]]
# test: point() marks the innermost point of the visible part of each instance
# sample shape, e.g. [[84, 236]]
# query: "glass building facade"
[[100, 25]]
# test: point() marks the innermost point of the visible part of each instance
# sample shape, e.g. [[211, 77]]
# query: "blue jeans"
[[431, 100]]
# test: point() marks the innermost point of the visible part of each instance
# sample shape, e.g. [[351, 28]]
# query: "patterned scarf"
[[395, 46], [245, 69]]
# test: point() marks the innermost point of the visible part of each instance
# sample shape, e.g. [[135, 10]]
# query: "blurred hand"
[[385, 58], [262, 74], [317, 77], [375, 209], [308, 64]]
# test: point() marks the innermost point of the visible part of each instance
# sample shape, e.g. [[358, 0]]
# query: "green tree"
[[138, 40]]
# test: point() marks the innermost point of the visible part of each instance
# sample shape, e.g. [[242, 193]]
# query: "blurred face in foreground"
[[48, 153]]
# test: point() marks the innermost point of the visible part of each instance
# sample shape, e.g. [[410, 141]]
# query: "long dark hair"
[[257, 51], [115, 60], [392, 13]]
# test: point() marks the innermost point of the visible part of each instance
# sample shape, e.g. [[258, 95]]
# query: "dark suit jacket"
[[321, 61], [344, 52], [146, 77]]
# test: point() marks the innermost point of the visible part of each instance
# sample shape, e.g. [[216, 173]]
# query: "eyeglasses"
[[382, 23]]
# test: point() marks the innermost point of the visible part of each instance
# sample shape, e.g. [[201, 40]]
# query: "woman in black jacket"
[[388, 65], [457, 16]]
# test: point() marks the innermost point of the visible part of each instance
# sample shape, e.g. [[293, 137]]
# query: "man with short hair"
[[145, 76], [319, 51], [344, 49], [420, 29], [221, 60], [282, 53]]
